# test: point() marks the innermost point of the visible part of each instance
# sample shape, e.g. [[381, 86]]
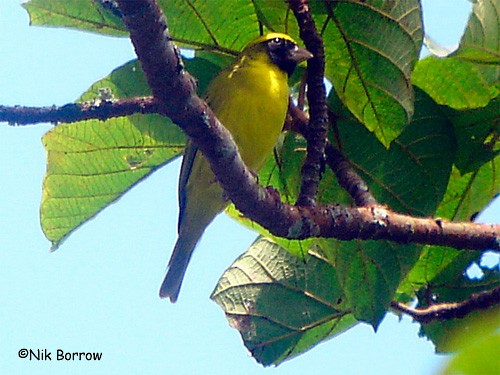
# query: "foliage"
[[422, 133]]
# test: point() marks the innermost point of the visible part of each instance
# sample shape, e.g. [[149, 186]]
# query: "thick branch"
[[316, 96], [164, 71], [73, 112], [447, 311]]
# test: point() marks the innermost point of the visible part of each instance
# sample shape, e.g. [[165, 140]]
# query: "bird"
[[250, 98]]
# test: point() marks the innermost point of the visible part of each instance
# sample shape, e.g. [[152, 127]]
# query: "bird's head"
[[281, 49]]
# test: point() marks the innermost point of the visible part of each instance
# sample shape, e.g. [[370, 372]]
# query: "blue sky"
[[98, 292]]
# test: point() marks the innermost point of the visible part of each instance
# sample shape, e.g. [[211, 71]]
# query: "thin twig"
[[447, 311]]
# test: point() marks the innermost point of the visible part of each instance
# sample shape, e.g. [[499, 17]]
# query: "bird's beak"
[[300, 54]]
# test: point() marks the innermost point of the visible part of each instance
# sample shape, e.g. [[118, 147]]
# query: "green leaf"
[[480, 42], [86, 15], [478, 348], [372, 47], [440, 277], [282, 306], [443, 80], [468, 78], [411, 176], [91, 164]]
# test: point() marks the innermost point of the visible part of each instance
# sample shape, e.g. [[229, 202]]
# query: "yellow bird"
[[250, 98]]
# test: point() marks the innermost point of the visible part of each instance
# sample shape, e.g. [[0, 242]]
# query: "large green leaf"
[[87, 15], [477, 346], [282, 306], [372, 47], [90, 164], [198, 24]]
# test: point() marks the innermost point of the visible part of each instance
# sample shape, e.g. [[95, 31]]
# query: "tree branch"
[[447, 311], [316, 96], [347, 177], [165, 73], [73, 112], [163, 68]]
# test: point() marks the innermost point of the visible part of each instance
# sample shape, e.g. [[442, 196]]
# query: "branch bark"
[[165, 73], [318, 110], [447, 311], [73, 112]]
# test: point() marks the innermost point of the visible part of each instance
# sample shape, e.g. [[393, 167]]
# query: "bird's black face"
[[286, 54]]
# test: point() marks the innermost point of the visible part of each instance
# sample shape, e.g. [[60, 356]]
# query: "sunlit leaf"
[[91, 164], [477, 348], [468, 78], [468, 194]]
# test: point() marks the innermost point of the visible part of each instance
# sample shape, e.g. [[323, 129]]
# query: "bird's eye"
[[276, 42]]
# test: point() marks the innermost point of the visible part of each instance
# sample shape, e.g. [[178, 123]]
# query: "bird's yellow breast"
[[253, 106]]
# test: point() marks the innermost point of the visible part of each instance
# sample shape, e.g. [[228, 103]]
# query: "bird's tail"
[[177, 266]]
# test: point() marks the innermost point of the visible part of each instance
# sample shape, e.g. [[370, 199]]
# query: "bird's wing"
[[190, 153]]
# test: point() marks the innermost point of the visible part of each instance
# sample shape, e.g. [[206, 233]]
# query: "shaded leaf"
[[478, 135], [411, 177], [434, 264], [281, 305], [370, 272]]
